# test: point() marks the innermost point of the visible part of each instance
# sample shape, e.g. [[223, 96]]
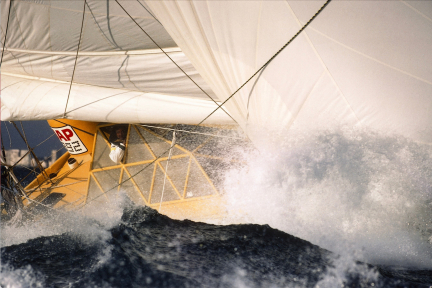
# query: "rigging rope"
[[31, 150], [149, 12], [88, 104], [76, 59], [166, 54], [10, 140], [22, 157], [166, 167], [192, 132], [271, 59], [7, 26]]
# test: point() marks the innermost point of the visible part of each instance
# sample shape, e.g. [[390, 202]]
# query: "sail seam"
[[373, 59], [256, 62], [417, 11], [74, 10], [294, 118], [326, 70]]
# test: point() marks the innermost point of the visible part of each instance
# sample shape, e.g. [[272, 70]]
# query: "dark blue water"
[[148, 249]]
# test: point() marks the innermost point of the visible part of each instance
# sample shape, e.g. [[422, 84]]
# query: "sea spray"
[[342, 188], [89, 223]]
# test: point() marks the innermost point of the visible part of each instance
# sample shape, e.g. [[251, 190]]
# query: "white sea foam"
[[345, 266], [342, 189], [89, 224], [21, 278]]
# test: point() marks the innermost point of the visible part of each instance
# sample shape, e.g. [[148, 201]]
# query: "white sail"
[[121, 75], [26, 98], [363, 63]]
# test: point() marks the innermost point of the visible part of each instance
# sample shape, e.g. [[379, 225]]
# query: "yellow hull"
[[174, 183]]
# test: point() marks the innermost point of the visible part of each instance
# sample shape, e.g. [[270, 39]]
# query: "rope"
[[10, 140], [32, 153], [149, 12], [166, 168], [271, 59], [30, 149], [79, 129], [44, 141], [7, 26], [166, 54], [192, 132], [3, 152], [88, 104], [76, 59]]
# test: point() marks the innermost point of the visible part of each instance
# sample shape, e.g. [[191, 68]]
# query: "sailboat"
[[189, 80]]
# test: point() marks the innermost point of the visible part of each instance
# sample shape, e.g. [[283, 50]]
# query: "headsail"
[[363, 63]]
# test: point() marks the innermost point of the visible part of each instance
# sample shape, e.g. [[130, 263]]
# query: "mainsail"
[[358, 63], [120, 74]]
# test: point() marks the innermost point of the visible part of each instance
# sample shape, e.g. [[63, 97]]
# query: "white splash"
[[340, 189], [89, 224], [21, 278]]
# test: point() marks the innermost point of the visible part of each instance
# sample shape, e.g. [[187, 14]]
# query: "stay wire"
[[32, 152], [6, 32], [2, 148], [43, 172], [22, 157], [10, 139], [166, 54], [149, 12], [191, 132], [76, 58], [166, 167], [271, 59]]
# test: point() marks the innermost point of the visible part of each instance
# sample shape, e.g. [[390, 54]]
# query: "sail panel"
[[137, 71], [56, 25], [41, 99], [114, 53]]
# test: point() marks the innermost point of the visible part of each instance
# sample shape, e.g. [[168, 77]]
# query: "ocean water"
[[147, 249], [330, 209]]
